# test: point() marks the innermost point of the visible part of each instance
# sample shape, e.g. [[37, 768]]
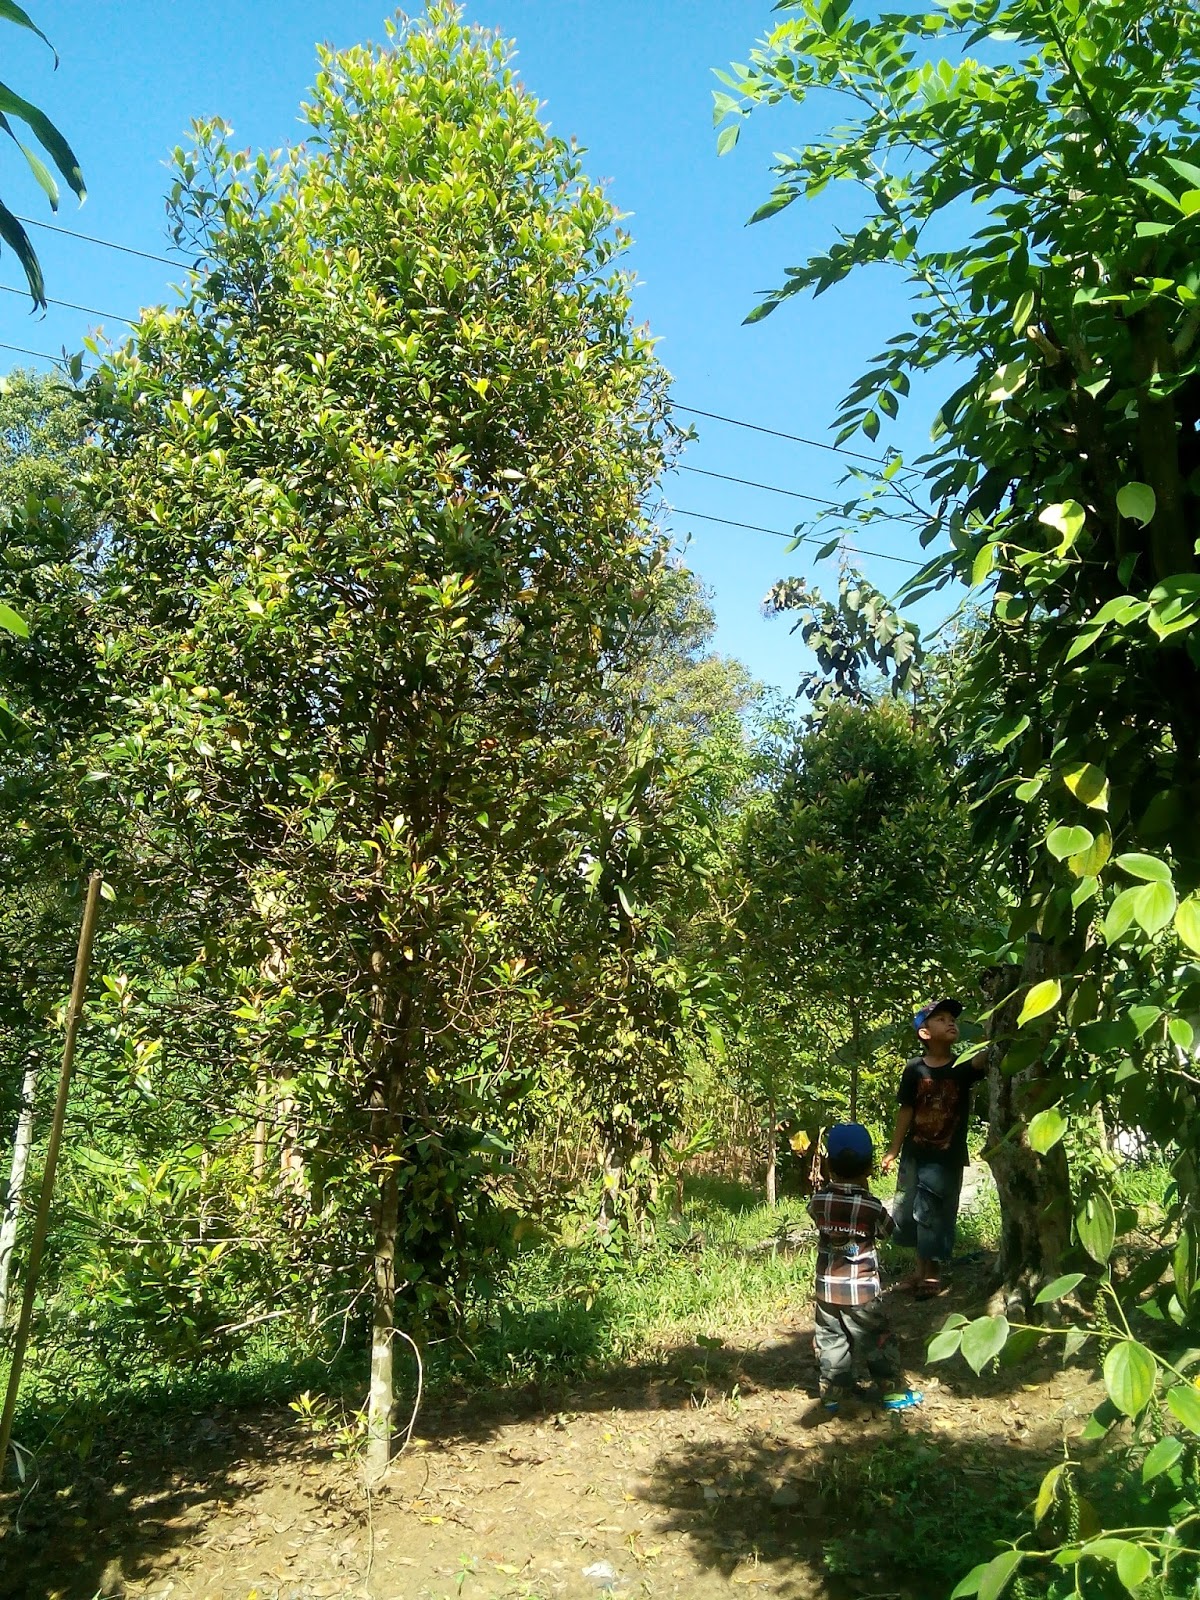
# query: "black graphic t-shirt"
[[940, 1098]]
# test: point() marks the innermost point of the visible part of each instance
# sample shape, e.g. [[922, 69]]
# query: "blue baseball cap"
[[849, 1139], [954, 1007]]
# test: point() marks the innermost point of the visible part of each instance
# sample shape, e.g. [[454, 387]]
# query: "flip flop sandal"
[[929, 1290], [903, 1402]]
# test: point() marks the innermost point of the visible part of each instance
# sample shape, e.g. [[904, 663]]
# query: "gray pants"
[[927, 1214], [846, 1336]]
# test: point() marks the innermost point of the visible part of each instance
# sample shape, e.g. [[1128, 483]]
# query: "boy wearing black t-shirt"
[[930, 1139]]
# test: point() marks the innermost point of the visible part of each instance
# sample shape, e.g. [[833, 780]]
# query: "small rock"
[[786, 1497], [603, 1574]]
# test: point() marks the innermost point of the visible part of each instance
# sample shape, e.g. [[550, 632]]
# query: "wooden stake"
[[83, 959]]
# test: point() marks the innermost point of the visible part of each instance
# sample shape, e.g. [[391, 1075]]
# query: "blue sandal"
[[903, 1402]]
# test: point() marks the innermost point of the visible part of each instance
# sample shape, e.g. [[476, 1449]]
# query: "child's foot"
[[903, 1401], [928, 1288]]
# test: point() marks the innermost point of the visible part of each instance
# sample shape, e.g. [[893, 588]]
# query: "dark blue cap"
[[849, 1139], [954, 1007]]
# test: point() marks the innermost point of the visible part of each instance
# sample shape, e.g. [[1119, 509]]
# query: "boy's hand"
[[888, 1162]]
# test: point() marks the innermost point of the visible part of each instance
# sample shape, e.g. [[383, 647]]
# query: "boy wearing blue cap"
[[851, 1323], [930, 1139]]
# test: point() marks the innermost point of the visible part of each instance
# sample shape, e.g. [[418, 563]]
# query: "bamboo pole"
[[10, 1209], [83, 959]]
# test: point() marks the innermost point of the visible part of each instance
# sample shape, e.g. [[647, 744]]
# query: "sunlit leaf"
[[1041, 998], [1137, 500], [1088, 784], [1129, 1372], [983, 1340], [1046, 1129]]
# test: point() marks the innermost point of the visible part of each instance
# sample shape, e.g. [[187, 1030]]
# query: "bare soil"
[[708, 1472]]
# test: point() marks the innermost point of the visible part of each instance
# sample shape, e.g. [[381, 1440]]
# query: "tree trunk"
[[10, 1209], [381, 1397], [1035, 1190], [771, 1151]]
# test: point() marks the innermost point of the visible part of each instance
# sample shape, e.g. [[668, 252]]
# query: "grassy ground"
[[648, 1411], [558, 1314]]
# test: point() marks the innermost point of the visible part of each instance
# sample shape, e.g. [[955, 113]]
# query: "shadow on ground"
[[863, 1499], [878, 1505]]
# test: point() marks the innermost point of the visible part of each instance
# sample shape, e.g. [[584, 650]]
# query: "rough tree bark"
[[1034, 1190]]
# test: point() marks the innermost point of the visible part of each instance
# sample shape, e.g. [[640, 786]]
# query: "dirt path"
[[706, 1474]]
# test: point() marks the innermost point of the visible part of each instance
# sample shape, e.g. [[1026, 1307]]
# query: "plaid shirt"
[[849, 1219]]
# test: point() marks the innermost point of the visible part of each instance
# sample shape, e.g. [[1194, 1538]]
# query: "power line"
[[108, 244], [20, 350], [751, 483], [91, 311], [701, 516], [676, 405], [776, 433], [778, 533]]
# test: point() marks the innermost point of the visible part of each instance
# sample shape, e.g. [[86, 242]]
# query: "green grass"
[[567, 1312], [557, 1315]]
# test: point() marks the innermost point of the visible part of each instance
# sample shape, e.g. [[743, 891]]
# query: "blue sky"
[[632, 80]]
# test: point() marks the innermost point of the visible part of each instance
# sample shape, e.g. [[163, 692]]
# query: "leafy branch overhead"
[[1030, 169], [14, 108]]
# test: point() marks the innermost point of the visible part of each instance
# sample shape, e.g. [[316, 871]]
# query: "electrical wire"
[[91, 238], [676, 405], [109, 316], [808, 538], [751, 483], [777, 433]]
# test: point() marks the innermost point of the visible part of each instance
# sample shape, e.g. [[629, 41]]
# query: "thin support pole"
[[83, 960]]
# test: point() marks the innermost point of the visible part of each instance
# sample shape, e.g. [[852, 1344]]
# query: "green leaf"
[[1154, 906], [1187, 922], [728, 137], [1163, 1456], [982, 565], [1120, 915], [47, 135], [12, 623], [36, 165], [1088, 784], [1096, 1225], [983, 1340], [994, 1578], [1063, 841], [1092, 860], [1047, 1491], [1022, 312], [945, 1344], [1060, 1287], [1067, 520], [1184, 1403], [17, 240], [1148, 868], [13, 13], [1181, 1033], [1129, 1372], [970, 1584], [1041, 998], [1137, 500], [1046, 1129], [1134, 1565]]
